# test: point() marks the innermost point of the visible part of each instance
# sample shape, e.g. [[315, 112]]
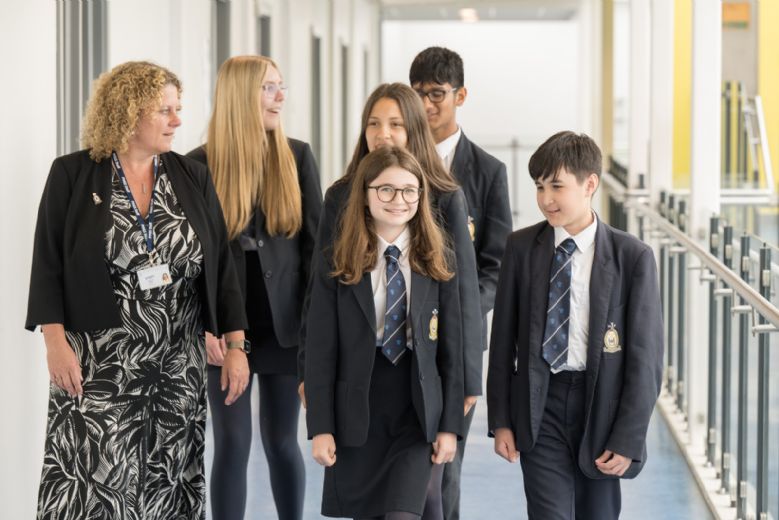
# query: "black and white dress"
[[132, 446]]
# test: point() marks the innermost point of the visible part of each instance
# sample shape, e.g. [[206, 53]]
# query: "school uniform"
[[383, 416], [602, 393], [485, 185], [451, 213]]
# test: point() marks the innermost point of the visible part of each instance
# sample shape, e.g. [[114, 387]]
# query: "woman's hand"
[[64, 368], [323, 449], [444, 448], [216, 348], [235, 374], [302, 393]]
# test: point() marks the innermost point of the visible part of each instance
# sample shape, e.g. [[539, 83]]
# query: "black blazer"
[[485, 184], [285, 261], [451, 210], [339, 363], [621, 386], [70, 282]]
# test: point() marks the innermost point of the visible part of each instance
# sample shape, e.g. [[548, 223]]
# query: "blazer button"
[[268, 274], [421, 376], [260, 243]]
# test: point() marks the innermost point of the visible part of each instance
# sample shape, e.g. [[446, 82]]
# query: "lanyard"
[[146, 227]]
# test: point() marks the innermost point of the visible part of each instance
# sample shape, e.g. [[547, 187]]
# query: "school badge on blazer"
[[433, 326], [611, 340], [471, 228]]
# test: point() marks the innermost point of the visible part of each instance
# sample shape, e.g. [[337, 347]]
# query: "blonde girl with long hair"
[[268, 186]]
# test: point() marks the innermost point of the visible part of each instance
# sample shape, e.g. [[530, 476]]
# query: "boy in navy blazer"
[[577, 344], [438, 76]]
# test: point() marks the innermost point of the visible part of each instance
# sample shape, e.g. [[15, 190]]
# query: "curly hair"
[[120, 98]]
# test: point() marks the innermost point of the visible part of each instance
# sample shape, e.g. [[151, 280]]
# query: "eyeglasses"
[[271, 89], [387, 193], [435, 95]]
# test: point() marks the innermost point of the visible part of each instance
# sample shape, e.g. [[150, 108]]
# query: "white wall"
[[27, 146], [523, 82]]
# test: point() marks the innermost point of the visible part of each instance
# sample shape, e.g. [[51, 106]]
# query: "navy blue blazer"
[[285, 261], [485, 184], [452, 216], [341, 325], [622, 383], [70, 283]]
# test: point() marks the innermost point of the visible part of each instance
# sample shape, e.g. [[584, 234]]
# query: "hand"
[[610, 463], [470, 400], [235, 374], [302, 393], [505, 446], [216, 348], [64, 368], [323, 449], [444, 448]]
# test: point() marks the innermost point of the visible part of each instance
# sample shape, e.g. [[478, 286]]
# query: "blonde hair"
[[251, 167], [120, 98], [355, 246]]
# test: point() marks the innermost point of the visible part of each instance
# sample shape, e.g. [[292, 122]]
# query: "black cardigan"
[[70, 282], [285, 261]]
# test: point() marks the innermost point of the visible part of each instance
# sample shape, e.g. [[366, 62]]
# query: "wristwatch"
[[244, 345]]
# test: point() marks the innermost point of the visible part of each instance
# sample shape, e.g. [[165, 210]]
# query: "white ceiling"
[[486, 9]]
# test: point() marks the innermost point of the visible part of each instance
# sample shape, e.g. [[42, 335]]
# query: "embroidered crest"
[[96, 199], [433, 327], [611, 340]]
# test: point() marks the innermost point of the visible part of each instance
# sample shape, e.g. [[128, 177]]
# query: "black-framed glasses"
[[387, 193], [271, 89], [435, 95]]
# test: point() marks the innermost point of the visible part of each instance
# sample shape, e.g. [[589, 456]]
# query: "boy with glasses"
[[437, 75]]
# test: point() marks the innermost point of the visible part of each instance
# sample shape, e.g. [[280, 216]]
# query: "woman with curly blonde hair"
[[130, 264]]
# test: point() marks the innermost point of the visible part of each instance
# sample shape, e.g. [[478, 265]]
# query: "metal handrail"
[[764, 307]]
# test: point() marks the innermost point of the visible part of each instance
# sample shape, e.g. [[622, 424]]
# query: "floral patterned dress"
[[132, 446]]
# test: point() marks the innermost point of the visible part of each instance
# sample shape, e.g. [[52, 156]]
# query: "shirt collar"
[[402, 243], [583, 240], [446, 147]]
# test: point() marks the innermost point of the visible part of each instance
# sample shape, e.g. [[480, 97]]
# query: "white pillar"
[[704, 191], [639, 122], [660, 171]]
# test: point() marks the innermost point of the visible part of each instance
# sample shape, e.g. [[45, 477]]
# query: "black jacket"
[[341, 327], [285, 261], [70, 282], [485, 185], [451, 208], [622, 384]]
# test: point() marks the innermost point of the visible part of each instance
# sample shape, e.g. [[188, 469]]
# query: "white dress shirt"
[[379, 281], [581, 269], [447, 147]]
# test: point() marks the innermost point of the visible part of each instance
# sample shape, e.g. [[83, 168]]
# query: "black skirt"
[[391, 470]]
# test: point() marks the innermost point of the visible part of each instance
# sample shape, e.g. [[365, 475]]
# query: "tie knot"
[[568, 246], [392, 253]]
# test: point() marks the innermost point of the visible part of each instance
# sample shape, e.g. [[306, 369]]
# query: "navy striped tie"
[[393, 345], [558, 312]]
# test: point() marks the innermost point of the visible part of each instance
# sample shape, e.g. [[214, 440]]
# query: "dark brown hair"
[[576, 153]]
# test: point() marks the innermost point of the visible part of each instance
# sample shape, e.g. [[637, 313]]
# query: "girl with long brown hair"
[[384, 376], [269, 189]]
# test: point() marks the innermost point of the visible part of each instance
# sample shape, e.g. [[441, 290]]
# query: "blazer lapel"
[[602, 276], [364, 294], [540, 266], [463, 160], [421, 285]]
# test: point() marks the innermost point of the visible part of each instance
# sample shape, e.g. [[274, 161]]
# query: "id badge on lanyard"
[[158, 274]]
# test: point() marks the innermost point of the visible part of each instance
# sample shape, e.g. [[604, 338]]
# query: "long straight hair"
[[252, 168], [420, 140], [355, 247]]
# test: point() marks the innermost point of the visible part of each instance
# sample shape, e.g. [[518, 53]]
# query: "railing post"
[[681, 265], [664, 291], [762, 390], [640, 219], [670, 317], [727, 259], [743, 397], [711, 415]]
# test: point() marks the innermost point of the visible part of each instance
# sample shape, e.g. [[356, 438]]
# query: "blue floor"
[[492, 488]]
